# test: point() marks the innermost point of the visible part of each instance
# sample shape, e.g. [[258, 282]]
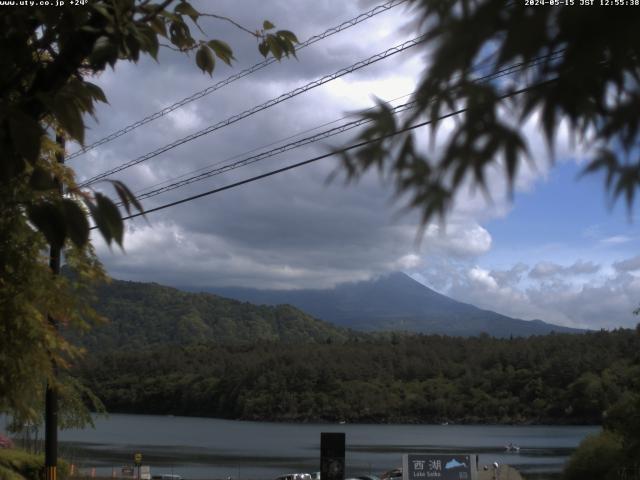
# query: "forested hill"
[[143, 314], [547, 379]]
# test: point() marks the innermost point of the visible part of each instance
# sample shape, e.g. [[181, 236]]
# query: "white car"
[[295, 476]]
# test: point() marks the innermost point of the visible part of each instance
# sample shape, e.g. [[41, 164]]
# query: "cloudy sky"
[[557, 252]]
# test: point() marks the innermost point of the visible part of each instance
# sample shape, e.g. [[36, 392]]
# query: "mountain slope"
[[394, 302], [144, 314]]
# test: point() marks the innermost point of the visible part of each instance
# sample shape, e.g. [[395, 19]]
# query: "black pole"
[[51, 396], [332, 448]]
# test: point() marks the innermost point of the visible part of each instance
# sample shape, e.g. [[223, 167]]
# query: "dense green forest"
[[147, 314], [558, 378]]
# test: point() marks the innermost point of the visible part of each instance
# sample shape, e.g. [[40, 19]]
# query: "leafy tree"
[[623, 418], [418, 379], [599, 457], [20, 465], [574, 64], [47, 55]]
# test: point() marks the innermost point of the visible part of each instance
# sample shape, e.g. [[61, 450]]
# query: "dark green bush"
[[20, 465], [597, 458]]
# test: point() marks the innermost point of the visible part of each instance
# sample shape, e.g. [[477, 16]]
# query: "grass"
[[20, 465]]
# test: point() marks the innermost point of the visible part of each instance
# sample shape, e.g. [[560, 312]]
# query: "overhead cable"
[[326, 155], [191, 173], [243, 73], [274, 101], [215, 169], [269, 153]]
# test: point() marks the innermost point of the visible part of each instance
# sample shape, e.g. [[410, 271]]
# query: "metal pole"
[[51, 396]]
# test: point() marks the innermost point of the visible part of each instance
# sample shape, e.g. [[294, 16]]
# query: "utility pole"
[[51, 398]]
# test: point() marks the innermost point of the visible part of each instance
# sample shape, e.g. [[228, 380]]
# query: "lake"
[[208, 448]]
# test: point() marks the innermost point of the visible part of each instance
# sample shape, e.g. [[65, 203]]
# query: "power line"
[[210, 171], [143, 191], [269, 153], [207, 168], [326, 155], [274, 101], [248, 71]]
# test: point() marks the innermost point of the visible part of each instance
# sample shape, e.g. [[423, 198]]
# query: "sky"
[[556, 251]]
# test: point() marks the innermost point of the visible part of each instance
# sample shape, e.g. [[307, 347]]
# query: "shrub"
[[20, 465], [598, 457]]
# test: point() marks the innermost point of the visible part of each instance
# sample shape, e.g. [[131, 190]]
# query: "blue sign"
[[438, 467]]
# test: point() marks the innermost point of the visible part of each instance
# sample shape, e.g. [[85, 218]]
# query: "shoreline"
[[369, 421], [203, 448]]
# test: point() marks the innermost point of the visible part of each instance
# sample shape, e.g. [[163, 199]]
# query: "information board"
[[127, 471], [439, 467], [145, 472]]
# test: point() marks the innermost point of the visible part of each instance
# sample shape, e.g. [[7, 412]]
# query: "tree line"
[[558, 378]]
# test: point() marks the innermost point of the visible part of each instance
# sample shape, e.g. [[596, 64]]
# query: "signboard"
[[439, 467], [127, 471], [137, 458], [332, 456], [145, 472]]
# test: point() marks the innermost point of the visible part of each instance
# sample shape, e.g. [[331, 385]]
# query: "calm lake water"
[[199, 448]]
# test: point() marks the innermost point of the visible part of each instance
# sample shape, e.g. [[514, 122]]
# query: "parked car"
[[295, 476]]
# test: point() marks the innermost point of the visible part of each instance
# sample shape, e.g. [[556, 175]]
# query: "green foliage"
[[615, 453], [397, 378], [20, 465], [147, 314], [572, 65], [204, 59], [7, 474], [598, 458], [222, 50], [280, 44], [623, 418], [24, 464], [30, 295]]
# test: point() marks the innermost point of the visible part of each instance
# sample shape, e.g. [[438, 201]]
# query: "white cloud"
[[544, 270], [616, 240], [186, 119], [511, 276], [458, 239], [557, 296], [484, 278], [406, 262]]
